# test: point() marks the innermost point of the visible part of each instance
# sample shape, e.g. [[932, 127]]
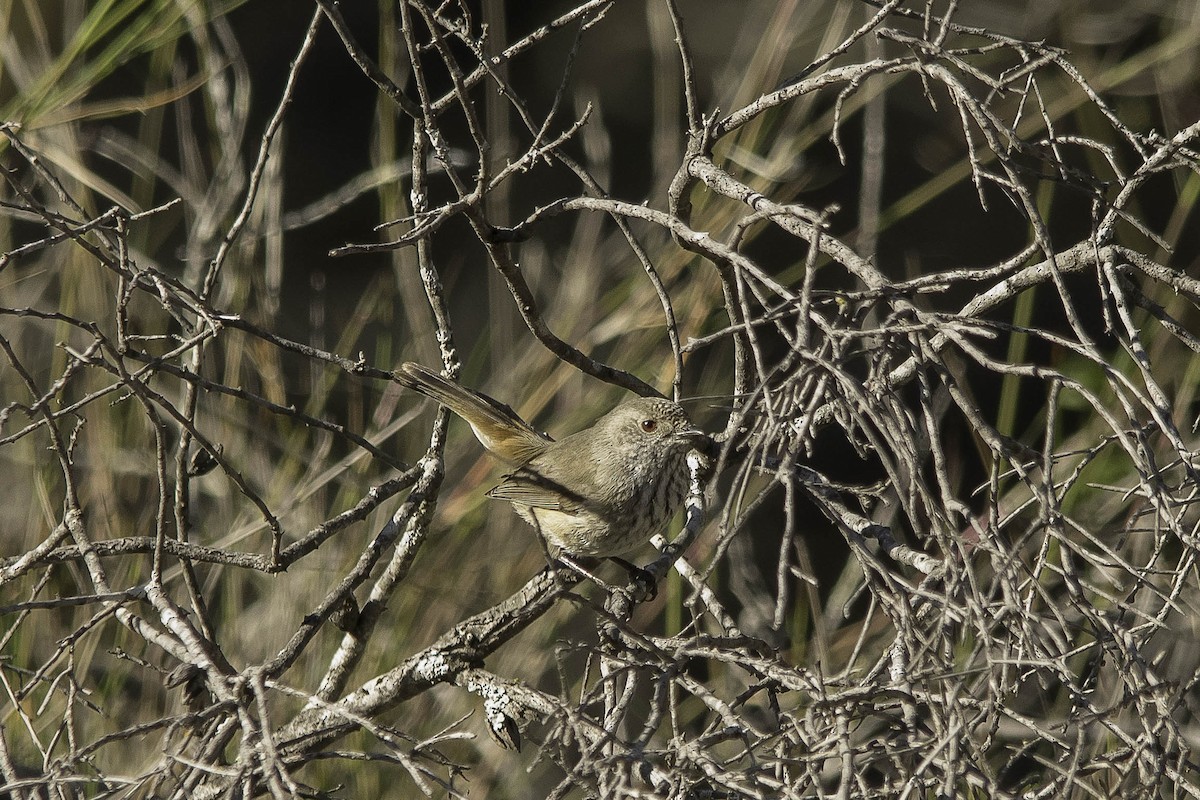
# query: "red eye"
[[649, 425]]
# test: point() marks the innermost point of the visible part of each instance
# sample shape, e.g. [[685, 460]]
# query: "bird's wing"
[[527, 487]]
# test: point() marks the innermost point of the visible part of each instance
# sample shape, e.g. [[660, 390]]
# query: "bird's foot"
[[643, 582]]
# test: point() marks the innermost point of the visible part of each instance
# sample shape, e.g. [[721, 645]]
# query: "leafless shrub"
[[200, 569]]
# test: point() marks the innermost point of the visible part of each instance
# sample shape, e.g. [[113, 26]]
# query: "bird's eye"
[[649, 425]]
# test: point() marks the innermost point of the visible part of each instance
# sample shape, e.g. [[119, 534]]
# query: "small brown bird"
[[600, 492]]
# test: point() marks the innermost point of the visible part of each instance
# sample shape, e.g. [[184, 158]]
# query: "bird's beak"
[[699, 440]]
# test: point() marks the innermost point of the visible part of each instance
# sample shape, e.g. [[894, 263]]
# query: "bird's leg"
[[555, 564], [642, 579], [571, 563]]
